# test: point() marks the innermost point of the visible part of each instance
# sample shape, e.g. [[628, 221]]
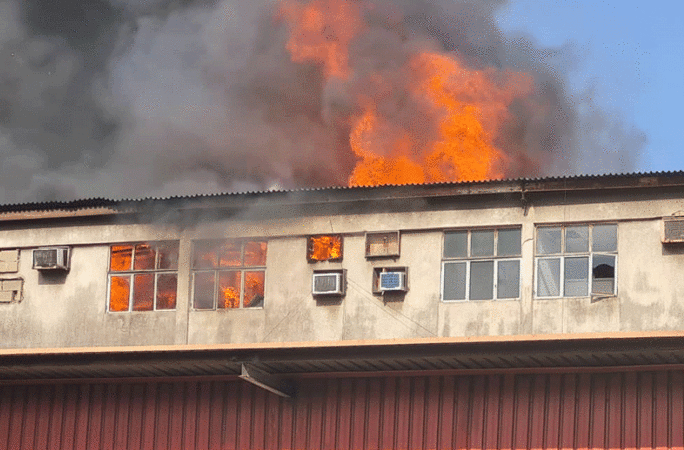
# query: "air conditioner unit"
[[673, 231], [51, 258], [328, 283], [392, 281]]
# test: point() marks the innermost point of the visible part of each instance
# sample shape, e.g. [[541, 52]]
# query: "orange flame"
[[469, 106], [229, 286], [323, 248], [321, 32], [119, 293], [254, 288]]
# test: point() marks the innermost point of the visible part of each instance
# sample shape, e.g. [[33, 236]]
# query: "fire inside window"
[[324, 248], [143, 276], [228, 274]]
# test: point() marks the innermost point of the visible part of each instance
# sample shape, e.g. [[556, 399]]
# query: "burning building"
[[444, 298], [523, 313]]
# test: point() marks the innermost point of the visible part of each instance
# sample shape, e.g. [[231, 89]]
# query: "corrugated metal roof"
[[460, 187], [640, 351]]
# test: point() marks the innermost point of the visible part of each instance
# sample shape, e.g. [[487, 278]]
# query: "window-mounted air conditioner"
[[392, 281], [328, 283], [673, 230], [51, 258]]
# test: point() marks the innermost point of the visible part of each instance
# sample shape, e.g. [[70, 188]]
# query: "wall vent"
[[328, 283], [673, 230], [51, 258], [382, 244]]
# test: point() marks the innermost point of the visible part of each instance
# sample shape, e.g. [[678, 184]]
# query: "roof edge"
[[355, 193], [322, 345]]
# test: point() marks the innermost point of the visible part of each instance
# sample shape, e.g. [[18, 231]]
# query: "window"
[[228, 274], [324, 248], [143, 276], [481, 264], [573, 261]]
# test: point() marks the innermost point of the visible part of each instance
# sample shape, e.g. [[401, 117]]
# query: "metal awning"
[[641, 351]]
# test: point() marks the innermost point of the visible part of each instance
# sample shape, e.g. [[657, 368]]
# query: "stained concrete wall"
[[71, 309]]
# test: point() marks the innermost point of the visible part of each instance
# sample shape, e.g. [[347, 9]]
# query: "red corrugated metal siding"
[[574, 410]]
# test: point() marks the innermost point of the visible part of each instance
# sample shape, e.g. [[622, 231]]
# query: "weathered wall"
[[71, 310]]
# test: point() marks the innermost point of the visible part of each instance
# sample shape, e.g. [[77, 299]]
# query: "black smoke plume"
[[138, 98]]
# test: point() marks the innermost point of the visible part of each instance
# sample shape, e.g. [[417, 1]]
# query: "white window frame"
[[563, 255], [218, 270], [470, 259], [131, 273]]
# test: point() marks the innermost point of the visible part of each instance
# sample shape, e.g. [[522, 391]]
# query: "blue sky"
[[631, 51]]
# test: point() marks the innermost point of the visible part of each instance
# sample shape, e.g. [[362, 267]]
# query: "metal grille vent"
[[673, 231]]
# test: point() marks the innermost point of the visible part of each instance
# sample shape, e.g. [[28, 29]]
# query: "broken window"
[[228, 274], [324, 248], [481, 264], [576, 261], [143, 276]]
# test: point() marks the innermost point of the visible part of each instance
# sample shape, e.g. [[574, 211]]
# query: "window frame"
[[469, 259], [564, 254], [132, 272], [310, 248], [391, 235], [216, 271]]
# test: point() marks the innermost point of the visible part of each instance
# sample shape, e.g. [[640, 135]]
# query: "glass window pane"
[[508, 279], [454, 281], [143, 292], [577, 239], [144, 257], [168, 255], [254, 289], [166, 290], [576, 277], [120, 257], [119, 293], [482, 243], [230, 254], [203, 290], [255, 253], [229, 289], [604, 238], [548, 240], [204, 254], [481, 280], [508, 243], [456, 244], [548, 277], [603, 274]]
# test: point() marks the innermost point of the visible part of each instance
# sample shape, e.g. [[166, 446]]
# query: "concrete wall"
[[71, 309]]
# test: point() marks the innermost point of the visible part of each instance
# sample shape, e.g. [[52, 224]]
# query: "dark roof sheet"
[[615, 352], [304, 194]]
